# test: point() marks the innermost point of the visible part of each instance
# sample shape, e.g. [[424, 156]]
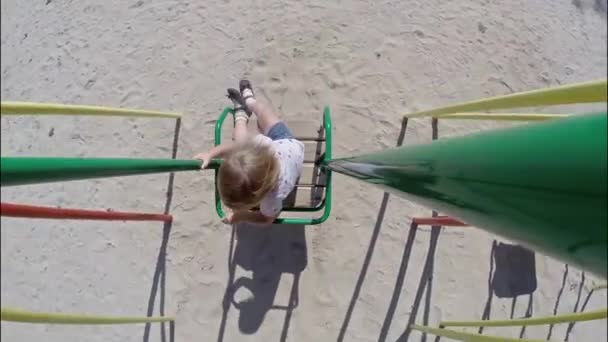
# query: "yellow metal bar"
[[23, 316], [567, 94], [566, 318], [28, 108], [468, 337], [599, 287], [503, 116]]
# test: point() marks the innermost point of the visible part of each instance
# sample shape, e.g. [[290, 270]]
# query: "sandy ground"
[[358, 277]]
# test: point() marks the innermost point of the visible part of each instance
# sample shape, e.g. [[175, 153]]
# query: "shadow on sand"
[[512, 274], [370, 249], [426, 279], [267, 252], [159, 278]]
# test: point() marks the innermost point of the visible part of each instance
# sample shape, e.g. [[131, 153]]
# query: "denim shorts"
[[279, 131]]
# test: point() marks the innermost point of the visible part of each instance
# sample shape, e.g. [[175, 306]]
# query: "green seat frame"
[[325, 204]]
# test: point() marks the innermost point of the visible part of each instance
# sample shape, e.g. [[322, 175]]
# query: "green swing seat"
[[313, 190]]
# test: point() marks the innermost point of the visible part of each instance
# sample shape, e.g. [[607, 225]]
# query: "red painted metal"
[[32, 211], [445, 221]]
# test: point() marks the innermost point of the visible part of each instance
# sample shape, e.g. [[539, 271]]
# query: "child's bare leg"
[[240, 130], [266, 116], [241, 118]]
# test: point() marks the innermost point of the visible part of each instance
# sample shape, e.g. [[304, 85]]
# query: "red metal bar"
[[32, 211], [445, 221]]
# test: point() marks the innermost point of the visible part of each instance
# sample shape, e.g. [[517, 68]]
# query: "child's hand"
[[228, 218], [205, 157], [215, 152]]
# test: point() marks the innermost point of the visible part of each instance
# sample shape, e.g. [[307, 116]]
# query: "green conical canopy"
[[542, 184]]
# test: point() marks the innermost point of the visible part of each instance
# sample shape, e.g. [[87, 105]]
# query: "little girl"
[[257, 171]]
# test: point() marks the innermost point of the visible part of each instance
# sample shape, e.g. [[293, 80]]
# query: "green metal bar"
[[566, 318], [31, 170], [468, 337], [218, 141], [328, 127], [587, 92], [326, 206], [23, 316], [543, 184], [28, 108]]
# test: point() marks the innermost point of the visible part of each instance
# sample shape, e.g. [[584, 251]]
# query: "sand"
[[358, 277]]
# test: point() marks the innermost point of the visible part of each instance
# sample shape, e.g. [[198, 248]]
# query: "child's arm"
[[215, 152], [248, 216]]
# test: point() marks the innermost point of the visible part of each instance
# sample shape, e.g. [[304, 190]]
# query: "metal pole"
[[542, 184], [30, 170]]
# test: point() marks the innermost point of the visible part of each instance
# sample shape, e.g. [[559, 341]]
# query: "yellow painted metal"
[[29, 108], [600, 287], [23, 316], [468, 337], [566, 318], [586, 92], [503, 116]]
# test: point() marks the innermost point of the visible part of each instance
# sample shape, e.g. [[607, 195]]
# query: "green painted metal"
[[31, 170], [326, 203], [542, 184], [216, 163]]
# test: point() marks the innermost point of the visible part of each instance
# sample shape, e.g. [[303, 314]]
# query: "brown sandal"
[[240, 110], [245, 84]]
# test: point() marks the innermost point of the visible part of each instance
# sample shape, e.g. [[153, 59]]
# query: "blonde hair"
[[247, 174]]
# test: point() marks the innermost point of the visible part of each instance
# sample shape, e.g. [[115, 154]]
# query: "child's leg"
[[266, 116], [241, 118], [240, 130]]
